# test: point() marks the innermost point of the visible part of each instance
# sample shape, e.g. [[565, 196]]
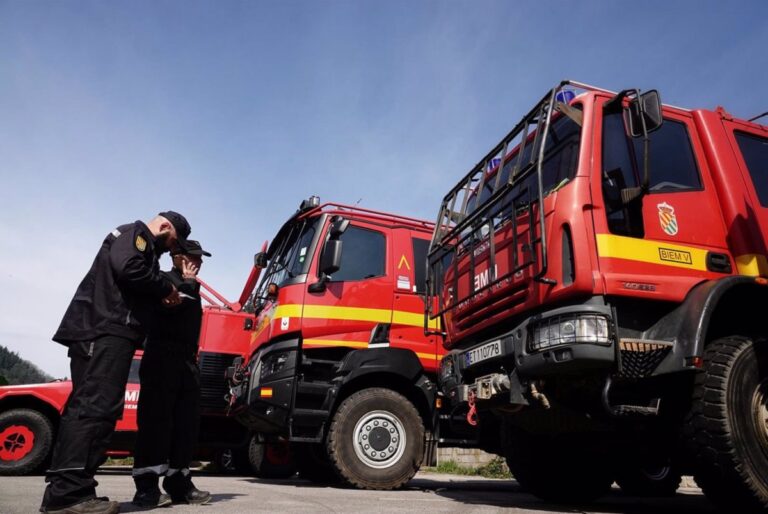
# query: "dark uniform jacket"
[[119, 292], [175, 330]]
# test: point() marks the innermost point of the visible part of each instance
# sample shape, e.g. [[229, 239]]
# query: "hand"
[[189, 270], [173, 298]]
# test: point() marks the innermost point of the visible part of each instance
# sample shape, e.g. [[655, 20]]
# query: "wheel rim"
[[379, 439], [657, 473], [16, 442], [760, 413]]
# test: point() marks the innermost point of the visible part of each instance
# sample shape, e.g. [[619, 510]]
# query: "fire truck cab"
[[600, 276], [339, 365]]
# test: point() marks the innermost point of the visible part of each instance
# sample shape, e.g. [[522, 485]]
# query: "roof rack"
[[371, 214]]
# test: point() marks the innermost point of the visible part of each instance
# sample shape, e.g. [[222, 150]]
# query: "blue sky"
[[232, 112]]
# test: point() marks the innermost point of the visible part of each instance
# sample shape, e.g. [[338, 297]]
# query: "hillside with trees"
[[15, 370]]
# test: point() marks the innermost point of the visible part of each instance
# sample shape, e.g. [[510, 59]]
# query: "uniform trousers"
[[99, 374], [168, 414]]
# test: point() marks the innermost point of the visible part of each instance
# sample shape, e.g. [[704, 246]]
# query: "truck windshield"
[[290, 255]]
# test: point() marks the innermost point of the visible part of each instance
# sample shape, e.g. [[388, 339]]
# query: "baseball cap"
[[180, 223], [190, 247]]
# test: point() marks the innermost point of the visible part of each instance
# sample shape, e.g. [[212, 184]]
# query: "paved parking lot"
[[428, 492]]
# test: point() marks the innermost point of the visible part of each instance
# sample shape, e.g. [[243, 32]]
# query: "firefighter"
[[104, 324], [169, 404]]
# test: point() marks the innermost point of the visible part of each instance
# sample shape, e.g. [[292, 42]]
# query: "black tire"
[[271, 459], [381, 422], [649, 481], [26, 439], [727, 428], [559, 469], [313, 463]]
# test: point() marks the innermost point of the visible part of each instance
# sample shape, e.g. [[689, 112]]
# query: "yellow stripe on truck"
[[406, 318], [753, 265], [654, 252], [348, 313], [329, 342]]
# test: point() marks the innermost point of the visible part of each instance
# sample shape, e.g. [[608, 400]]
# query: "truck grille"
[[213, 385], [640, 358]]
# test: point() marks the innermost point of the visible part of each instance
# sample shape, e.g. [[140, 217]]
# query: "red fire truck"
[[339, 367], [600, 275], [29, 414]]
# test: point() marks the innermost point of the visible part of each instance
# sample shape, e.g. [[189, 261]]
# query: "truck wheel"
[[557, 469], [649, 481], [26, 437], [313, 463], [728, 425], [376, 439], [271, 459]]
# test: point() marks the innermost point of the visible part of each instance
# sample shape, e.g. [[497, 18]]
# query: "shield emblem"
[[667, 218]]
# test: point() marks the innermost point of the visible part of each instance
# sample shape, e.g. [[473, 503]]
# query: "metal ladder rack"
[[514, 166]]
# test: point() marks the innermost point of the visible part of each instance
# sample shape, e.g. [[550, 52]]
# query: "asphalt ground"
[[427, 493]]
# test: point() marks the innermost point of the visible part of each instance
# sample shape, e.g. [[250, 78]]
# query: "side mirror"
[[644, 110], [260, 260], [330, 261]]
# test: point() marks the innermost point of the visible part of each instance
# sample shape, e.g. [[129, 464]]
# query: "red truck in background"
[[29, 414], [340, 370], [601, 279]]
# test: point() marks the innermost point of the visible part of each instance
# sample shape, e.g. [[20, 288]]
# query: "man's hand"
[[173, 298], [188, 270]]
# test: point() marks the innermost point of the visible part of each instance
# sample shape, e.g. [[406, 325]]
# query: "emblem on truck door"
[[667, 218]]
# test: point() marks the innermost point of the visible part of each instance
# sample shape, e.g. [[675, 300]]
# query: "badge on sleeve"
[[141, 243]]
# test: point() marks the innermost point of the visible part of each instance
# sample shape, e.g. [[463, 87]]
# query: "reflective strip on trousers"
[[157, 470]]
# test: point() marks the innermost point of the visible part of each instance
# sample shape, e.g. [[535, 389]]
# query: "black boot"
[[182, 490], [148, 494]]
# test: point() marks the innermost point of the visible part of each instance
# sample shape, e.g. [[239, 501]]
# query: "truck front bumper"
[[574, 340]]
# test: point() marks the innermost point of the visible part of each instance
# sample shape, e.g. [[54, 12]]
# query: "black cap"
[[180, 223], [190, 247]]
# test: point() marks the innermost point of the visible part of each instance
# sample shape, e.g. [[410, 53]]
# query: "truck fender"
[[691, 324], [391, 361]]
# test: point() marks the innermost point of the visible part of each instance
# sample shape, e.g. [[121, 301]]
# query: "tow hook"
[[472, 414]]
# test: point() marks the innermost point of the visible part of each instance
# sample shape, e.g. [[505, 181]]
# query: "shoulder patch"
[[141, 243]]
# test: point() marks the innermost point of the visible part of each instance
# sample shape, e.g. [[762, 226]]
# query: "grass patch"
[[496, 468], [127, 461]]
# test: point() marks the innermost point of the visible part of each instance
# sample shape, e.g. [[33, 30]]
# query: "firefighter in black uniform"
[[169, 404], [103, 326]]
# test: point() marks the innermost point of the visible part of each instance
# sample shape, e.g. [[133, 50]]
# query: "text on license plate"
[[492, 349]]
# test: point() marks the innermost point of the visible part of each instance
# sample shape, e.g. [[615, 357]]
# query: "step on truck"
[[600, 275], [30, 413], [340, 369]]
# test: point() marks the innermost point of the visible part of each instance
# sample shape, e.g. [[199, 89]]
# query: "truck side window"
[[672, 167], [363, 255], [420, 249], [755, 152]]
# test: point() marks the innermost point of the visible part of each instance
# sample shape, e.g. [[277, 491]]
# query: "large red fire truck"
[[29, 414], [600, 275], [339, 367]]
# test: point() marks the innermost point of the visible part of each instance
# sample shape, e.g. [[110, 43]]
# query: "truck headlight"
[[274, 363], [446, 367], [570, 329]]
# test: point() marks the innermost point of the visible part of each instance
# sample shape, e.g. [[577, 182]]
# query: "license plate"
[[486, 351]]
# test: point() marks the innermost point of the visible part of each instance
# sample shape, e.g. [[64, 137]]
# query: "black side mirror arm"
[[320, 286]]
